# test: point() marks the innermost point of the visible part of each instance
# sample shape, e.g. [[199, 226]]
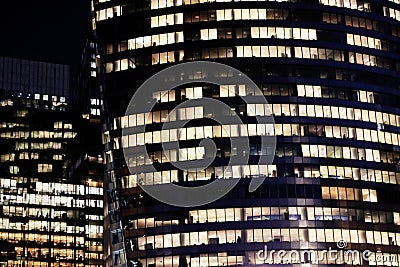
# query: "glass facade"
[[330, 73]]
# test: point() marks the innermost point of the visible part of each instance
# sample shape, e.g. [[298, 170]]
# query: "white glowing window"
[[179, 18], [253, 14], [226, 14], [271, 32], [262, 14], [179, 37], [350, 39], [154, 4], [255, 32], [396, 216], [369, 195], [14, 169], [147, 41], [305, 52], [110, 12], [171, 38], [239, 51], [208, 34], [260, 108], [163, 58], [264, 51], [247, 51], [154, 22], [155, 40], [124, 64], [301, 91], [170, 19], [283, 52], [280, 33], [227, 90], [298, 52], [256, 51], [135, 43], [161, 39], [162, 3], [273, 51], [117, 11], [162, 20], [101, 15], [95, 112], [289, 34], [109, 67], [57, 157], [312, 34]]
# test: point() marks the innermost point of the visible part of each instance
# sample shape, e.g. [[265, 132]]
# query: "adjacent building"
[[48, 216], [330, 73]]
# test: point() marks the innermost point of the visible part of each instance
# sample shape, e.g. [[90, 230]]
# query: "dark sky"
[[49, 30]]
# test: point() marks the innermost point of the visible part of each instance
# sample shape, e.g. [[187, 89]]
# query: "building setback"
[[330, 73], [28, 76]]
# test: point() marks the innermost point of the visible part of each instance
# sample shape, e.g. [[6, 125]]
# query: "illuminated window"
[[14, 169], [45, 168], [369, 195], [208, 34]]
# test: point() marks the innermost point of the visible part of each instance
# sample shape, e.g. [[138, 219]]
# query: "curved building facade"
[[330, 73]]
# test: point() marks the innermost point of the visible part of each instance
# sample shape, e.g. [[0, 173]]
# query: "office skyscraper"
[[330, 72], [51, 204]]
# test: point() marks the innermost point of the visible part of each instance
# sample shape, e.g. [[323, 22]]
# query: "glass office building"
[[50, 178], [330, 73]]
